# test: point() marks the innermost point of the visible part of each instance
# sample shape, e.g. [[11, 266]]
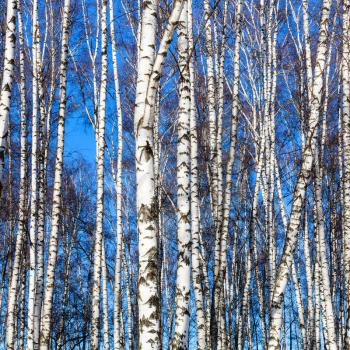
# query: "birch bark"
[[212, 166], [301, 319], [310, 334], [100, 140], [327, 304], [148, 298], [182, 294], [34, 194], [45, 328], [39, 281], [12, 291], [234, 121], [118, 183], [195, 220], [149, 70], [7, 79], [105, 299]]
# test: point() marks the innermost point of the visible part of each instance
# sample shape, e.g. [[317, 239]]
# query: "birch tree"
[[53, 248], [149, 70], [7, 79], [100, 140], [202, 327], [182, 294], [33, 189], [20, 239], [148, 299]]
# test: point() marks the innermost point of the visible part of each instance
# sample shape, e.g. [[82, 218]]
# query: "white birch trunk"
[[310, 334], [149, 70], [254, 239], [128, 296], [148, 298], [322, 254], [220, 88], [242, 332], [7, 80], [105, 300], [195, 220], [21, 330], [317, 326], [234, 118], [307, 43], [39, 287], [117, 311], [301, 319], [34, 194], [100, 140], [212, 139], [45, 325], [182, 294], [12, 290]]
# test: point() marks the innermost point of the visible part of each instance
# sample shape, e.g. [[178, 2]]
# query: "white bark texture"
[[16, 267], [105, 299], [100, 140], [33, 189], [118, 184], [45, 326], [182, 294], [7, 80], [148, 298], [234, 121], [149, 71], [195, 208]]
